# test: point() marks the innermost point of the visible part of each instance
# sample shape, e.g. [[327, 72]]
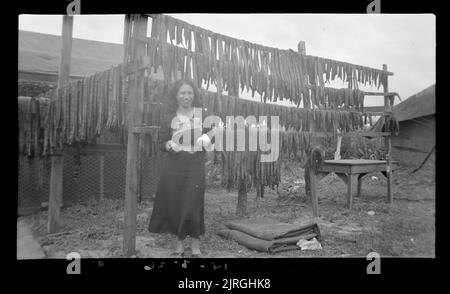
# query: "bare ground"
[[406, 228]]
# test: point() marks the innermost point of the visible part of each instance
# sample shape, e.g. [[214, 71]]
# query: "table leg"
[[313, 192], [350, 178], [389, 187], [360, 179], [389, 178], [347, 178]]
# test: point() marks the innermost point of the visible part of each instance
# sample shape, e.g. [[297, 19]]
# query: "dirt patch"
[[406, 228]]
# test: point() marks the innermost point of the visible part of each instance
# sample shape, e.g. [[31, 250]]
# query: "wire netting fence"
[[84, 185]]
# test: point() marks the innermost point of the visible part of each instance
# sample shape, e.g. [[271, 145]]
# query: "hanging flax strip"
[[76, 113], [208, 57], [80, 111], [245, 167]]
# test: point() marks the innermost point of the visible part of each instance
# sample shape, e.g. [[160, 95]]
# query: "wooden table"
[[347, 170]]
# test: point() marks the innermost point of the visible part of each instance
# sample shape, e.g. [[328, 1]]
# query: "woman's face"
[[185, 96]]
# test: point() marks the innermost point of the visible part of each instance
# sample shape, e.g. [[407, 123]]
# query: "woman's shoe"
[[197, 254], [179, 248], [177, 254], [195, 247]]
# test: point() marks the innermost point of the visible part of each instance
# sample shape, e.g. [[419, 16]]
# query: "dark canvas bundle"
[[269, 235]]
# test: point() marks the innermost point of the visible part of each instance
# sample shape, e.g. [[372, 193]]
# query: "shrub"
[[360, 147]]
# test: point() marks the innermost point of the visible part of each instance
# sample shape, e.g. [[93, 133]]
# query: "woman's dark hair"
[[173, 91]]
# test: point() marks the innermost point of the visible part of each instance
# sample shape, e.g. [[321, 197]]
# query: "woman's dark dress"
[[180, 195]]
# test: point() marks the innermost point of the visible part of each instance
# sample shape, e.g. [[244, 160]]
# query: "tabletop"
[[356, 161]]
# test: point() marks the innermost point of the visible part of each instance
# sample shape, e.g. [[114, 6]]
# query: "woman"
[[179, 200]]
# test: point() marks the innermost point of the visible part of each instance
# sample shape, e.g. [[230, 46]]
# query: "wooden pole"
[[337, 154], [309, 174], [241, 206], [66, 51], [219, 93], [55, 198], [101, 187], [387, 141], [301, 47], [134, 117], [102, 178], [56, 175]]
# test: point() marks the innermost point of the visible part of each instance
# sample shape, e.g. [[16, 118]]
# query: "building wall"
[[416, 138]]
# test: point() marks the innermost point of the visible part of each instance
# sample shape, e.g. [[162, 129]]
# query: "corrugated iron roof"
[[40, 53], [420, 104]]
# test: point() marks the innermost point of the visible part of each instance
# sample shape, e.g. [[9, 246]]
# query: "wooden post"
[[309, 173], [337, 154], [313, 191], [134, 116], [301, 47], [102, 178], [66, 51], [55, 198], [56, 175], [141, 158], [387, 106], [241, 208], [101, 187], [219, 93]]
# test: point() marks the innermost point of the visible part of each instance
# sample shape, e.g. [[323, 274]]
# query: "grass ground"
[[406, 228]]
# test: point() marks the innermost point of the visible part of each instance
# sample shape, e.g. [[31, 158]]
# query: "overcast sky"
[[406, 43]]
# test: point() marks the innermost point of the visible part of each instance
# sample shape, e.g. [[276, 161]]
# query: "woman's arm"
[[165, 132]]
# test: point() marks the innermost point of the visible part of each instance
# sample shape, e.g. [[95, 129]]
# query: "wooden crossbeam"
[[379, 109], [139, 129], [367, 134], [389, 94]]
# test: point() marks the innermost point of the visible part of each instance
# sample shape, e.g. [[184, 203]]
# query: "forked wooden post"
[[134, 117], [56, 175], [387, 105]]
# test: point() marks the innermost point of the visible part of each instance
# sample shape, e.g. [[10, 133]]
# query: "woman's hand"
[[171, 146], [204, 141]]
